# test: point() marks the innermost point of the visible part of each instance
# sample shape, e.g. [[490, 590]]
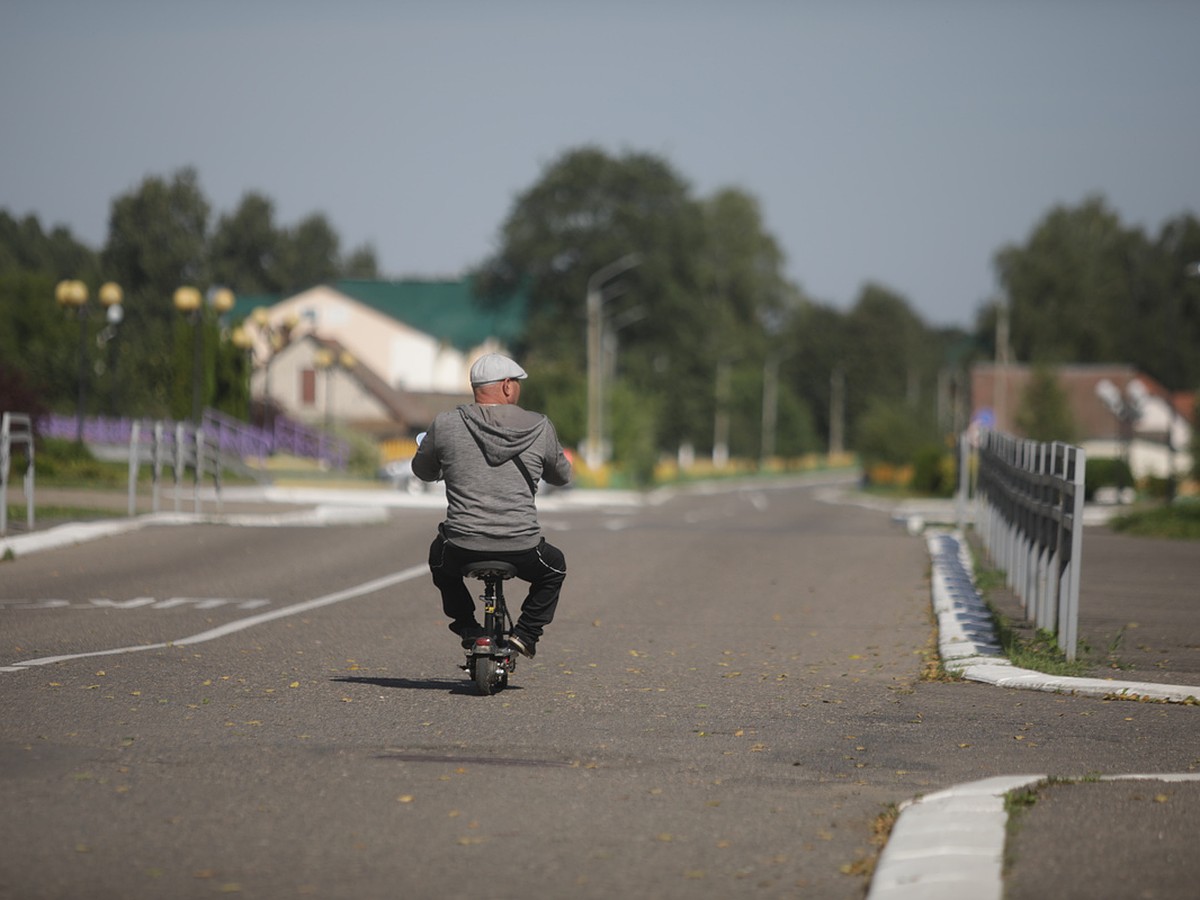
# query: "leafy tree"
[[886, 358], [310, 254], [1174, 333], [361, 263], [708, 284], [25, 247], [1044, 413], [588, 210], [157, 240], [889, 433], [1084, 288], [246, 249]]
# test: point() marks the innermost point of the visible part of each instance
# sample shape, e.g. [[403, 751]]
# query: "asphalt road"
[[729, 704]]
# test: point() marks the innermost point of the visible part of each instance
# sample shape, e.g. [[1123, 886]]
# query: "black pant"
[[543, 566]]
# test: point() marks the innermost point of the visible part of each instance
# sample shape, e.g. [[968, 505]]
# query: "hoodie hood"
[[502, 431]]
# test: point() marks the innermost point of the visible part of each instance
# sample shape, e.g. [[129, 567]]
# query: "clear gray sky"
[[896, 142]]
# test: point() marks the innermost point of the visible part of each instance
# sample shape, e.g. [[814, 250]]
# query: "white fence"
[[180, 448], [16, 430], [1030, 517]]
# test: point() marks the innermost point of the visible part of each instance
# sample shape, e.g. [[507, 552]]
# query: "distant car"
[[399, 474]]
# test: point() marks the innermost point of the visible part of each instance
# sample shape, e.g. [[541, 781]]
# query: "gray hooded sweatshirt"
[[489, 501]]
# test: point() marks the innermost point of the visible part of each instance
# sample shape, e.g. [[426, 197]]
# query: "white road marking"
[[134, 603], [349, 593]]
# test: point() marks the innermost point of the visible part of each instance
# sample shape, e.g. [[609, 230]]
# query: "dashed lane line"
[[220, 631]]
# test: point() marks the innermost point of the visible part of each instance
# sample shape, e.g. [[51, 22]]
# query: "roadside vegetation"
[[1024, 645], [1179, 521]]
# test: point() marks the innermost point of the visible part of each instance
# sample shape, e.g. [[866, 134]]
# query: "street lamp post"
[[593, 449], [73, 295], [327, 361], [189, 301], [242, 341], [274, 338]]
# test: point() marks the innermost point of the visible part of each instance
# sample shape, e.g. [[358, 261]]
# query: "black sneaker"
[[524, 646]]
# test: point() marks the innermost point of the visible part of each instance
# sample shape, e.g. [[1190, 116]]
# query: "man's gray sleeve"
[[425, 464], [556, 468]]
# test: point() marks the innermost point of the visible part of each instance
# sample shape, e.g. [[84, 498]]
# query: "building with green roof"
[[415, 338]]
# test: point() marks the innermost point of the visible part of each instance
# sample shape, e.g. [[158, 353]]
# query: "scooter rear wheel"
[[488, 677]]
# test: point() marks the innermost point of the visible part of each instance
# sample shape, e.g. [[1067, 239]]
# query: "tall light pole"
[[770, 404], [837, 411], [73, 295], [593, 452]]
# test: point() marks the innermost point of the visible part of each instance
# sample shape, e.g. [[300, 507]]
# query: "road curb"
[[968, 645], [950, 844], [81, 532]]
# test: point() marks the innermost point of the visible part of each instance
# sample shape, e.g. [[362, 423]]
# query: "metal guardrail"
[[181, 448], [1030, 515], [232, 435], [16, 430]]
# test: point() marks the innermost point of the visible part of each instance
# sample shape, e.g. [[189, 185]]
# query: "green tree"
[[310, 254], [1044, 413], [246, 250], [588, 210], [889, 433], [361, 263], [1169, 352], [1073, 289], [887, 356], [708, 287], [157, 242], [157, 238]]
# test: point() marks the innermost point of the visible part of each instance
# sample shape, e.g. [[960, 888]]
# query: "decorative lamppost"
[[73, 295], [242, 340], [275, 338], [190, 303], [327, 361]]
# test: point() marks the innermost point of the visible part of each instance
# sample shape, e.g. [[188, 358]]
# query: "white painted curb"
[[949, 845], [968, 646]]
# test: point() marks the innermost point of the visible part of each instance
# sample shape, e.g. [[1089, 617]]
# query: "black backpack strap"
[[524, 471]]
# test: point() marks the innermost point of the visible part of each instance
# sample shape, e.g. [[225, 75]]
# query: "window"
[[308, 387]]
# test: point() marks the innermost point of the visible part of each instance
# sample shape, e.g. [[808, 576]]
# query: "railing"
[[1030, 499], [181, 448], [232, 436], [16, 430]]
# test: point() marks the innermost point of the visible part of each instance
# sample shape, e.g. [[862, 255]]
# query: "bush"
[[1105, 473], [71, 463], [933, 472]]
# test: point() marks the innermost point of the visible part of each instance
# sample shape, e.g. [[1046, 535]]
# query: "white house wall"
[[404, 357], [335, 393], [1146, 458]]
